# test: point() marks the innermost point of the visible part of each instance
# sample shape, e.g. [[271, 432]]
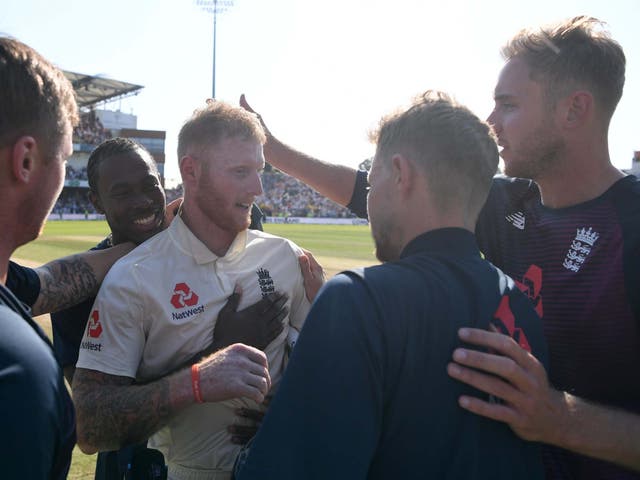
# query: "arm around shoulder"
[[70, 280]]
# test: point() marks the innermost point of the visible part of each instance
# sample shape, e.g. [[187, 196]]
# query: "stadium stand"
[[97, 125]]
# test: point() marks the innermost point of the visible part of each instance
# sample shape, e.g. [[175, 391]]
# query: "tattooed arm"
[[112, 411], [70, 280]]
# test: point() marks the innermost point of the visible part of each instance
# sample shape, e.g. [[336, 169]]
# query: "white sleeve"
[[114, 339]]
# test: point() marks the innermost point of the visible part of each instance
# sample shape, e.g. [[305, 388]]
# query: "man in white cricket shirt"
[[157, 309]]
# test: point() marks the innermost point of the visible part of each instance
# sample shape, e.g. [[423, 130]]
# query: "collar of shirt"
[[450, 241], [188, 243]]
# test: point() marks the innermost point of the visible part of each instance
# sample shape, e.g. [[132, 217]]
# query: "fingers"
[[496, 341], [172, 210], [250, 414], [244, 104], [233, 300], [314, 266], [241, 434], [487, 383], [312, 274], [495, 411]]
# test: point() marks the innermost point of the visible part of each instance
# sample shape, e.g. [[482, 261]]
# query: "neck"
[[424, 220], [5, 255], [579, 177], [215, 238]]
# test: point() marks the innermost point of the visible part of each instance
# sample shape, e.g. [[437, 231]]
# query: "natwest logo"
[[94, 329], [183, 296]]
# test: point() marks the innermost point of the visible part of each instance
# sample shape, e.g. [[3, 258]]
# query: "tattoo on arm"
[[64, 283], [112, 411]]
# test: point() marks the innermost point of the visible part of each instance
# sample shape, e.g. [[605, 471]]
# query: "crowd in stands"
[[283, 196], [72, 173], [90, 129], [73, 200]]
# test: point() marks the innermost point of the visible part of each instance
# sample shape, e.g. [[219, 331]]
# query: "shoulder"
[[511, 189], [153, 250], [21, 346], [260, 239], [23, 282]]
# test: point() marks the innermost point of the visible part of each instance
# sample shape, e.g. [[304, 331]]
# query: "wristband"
[[195, 383]]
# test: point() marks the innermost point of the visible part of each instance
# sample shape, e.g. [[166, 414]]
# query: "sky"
[[321, 74]]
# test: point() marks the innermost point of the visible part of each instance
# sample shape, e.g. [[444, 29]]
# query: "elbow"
[[86, 448], [86, 441]]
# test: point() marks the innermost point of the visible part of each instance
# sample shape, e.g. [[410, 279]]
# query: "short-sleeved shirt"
[[366, 393], [68, 325], [37, 424], [23, 283], [157, 308]]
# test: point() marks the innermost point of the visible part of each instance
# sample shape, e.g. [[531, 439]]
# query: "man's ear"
[[23, 158], [188, 169], [402, 171], [579, 106], [95, 201]]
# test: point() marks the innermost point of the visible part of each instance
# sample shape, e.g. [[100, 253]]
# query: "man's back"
[[367, 395]]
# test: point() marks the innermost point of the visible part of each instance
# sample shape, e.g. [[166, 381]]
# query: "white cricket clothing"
[[157, 308]]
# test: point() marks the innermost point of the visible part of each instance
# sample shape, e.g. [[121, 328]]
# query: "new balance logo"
[[516, 219]]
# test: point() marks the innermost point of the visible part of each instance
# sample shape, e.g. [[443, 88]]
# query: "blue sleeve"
[[31, 423], [326, 417], [23, 282], [358, 203], [68, 328]]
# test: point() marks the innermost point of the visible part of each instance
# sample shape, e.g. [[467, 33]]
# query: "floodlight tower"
[[215, 7]]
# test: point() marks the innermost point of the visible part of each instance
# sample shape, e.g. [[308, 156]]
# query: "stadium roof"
[[93, 89]]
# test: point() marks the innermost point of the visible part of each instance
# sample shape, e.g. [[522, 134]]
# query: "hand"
[[172, 210], [241, 434], [236, 371], [244, 104], [312, 273], [257, 325], [533, 409]]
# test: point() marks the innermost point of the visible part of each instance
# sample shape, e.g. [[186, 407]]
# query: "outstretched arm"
[[331, 180], [536, 411], [70, 280], [112, 411]]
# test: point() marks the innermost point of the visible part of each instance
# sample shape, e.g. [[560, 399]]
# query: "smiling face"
[[131, 197], [228, 181], [524, 123]]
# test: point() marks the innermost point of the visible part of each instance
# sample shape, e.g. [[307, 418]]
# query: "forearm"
[[70, 280], [331, 180], [112, 413], [601, 432]]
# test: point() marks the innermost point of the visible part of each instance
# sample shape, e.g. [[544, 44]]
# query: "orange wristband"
[[195, 382]]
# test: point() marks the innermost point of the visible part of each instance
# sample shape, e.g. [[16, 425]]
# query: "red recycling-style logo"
[[506, 317], [94, 329], [183, 296]]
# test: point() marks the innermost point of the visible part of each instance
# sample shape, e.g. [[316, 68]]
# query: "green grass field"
[[336, 247]]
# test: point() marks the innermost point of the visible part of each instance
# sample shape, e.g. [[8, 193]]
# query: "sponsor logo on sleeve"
[[531, 285], [94, 330]]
